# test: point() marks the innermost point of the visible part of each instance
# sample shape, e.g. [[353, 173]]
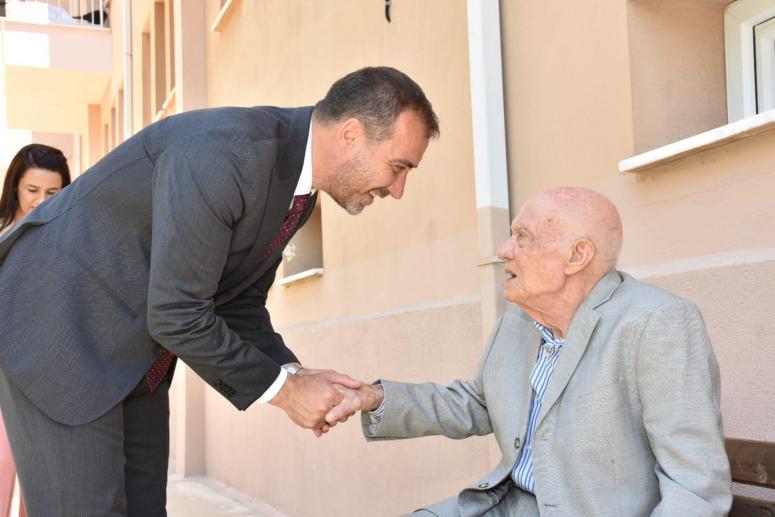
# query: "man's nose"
[[506, 252], [397, 188]]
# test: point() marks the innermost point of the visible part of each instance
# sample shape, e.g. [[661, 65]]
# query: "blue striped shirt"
[[548, 354]]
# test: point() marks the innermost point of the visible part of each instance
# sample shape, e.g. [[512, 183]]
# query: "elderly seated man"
[[602, 391]]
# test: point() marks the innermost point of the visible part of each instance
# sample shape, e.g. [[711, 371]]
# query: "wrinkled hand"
[[367, 398], [307, 396]]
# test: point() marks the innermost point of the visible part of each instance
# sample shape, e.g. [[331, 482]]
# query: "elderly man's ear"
[[582, 254]]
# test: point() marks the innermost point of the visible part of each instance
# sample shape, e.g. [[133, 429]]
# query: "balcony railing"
[[65, 12]]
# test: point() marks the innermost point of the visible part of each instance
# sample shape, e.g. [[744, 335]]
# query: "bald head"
[[562, 243], [576, 213]]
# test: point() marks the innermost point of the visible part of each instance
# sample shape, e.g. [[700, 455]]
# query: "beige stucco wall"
[[717, 201], [567, 92], [677, 69]]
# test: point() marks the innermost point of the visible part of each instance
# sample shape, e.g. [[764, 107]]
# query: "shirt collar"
[[304, 186], [548, 335]]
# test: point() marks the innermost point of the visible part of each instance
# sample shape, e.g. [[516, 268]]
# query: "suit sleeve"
[[199, 193], [678, 384], [458, 410], [247, 316]]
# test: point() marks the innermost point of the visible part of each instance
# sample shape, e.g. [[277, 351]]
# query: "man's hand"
[[307, 396], [367, 398]]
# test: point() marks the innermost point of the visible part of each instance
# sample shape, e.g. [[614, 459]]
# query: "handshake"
[[320, 399]]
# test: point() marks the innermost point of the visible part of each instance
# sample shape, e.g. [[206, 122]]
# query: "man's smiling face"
[[380, 169]]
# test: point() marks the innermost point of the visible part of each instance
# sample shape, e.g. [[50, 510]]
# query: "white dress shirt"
[[303, 187]]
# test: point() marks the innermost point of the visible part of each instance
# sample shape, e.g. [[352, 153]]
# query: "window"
[[749, 33], [764, 51], [303, 256]]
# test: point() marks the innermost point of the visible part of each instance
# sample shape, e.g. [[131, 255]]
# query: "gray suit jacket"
[[630, 424], [162, 242]]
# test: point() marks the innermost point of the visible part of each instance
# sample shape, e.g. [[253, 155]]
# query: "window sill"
[[222, 15], [165, 107], [698, 143], [298, 277]]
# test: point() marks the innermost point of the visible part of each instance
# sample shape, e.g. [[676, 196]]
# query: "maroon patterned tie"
[[161, 366], [159, 369], [300, 204]]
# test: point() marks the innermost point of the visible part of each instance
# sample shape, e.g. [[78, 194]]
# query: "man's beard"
[[346, 185]]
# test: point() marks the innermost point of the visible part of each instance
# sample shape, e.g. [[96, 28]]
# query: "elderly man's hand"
[[309, 395], [367, 398]]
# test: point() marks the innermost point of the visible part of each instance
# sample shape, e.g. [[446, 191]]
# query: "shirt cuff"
[[275, 388], [376, 415]]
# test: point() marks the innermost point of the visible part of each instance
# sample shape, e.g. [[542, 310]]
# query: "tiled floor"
[[201, 496], [205, 497]]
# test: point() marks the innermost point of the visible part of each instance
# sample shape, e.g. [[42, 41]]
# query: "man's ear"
[[582, 253], [351, 135]]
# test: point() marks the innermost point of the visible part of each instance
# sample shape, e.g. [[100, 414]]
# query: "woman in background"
[[36, 173]]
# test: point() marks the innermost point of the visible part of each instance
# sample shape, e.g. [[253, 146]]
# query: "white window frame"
[[765, 64], [739, 20]]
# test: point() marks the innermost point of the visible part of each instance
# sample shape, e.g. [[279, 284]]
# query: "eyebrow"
[[32, 185]]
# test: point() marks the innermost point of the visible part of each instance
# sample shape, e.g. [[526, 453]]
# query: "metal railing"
[[68, 12]]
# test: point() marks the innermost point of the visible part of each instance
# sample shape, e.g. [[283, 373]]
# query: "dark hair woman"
[[36, 173]]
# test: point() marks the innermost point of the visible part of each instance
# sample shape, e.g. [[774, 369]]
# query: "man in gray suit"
[[602, 392], [166, 248]]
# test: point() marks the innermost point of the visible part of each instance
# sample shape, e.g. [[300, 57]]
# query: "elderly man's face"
[[535, 256]]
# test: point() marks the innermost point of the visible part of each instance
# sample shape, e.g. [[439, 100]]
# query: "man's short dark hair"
[[376, 96]]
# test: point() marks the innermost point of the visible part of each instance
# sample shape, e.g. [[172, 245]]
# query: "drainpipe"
[[128, 113], [490, 167]]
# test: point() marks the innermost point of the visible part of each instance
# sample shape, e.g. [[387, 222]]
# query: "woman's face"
[[36, 186]]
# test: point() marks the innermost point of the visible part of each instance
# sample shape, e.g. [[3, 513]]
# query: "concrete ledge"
[[298, 277], [698, 143], [702, 262], [203, 496]]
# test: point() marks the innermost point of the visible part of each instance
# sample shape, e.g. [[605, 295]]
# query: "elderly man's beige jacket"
[[630, 423]]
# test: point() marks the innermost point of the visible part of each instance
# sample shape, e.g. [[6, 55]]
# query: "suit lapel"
[[579, 334], [575, 344], [517, 365], [281, 186], [277, 207]]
